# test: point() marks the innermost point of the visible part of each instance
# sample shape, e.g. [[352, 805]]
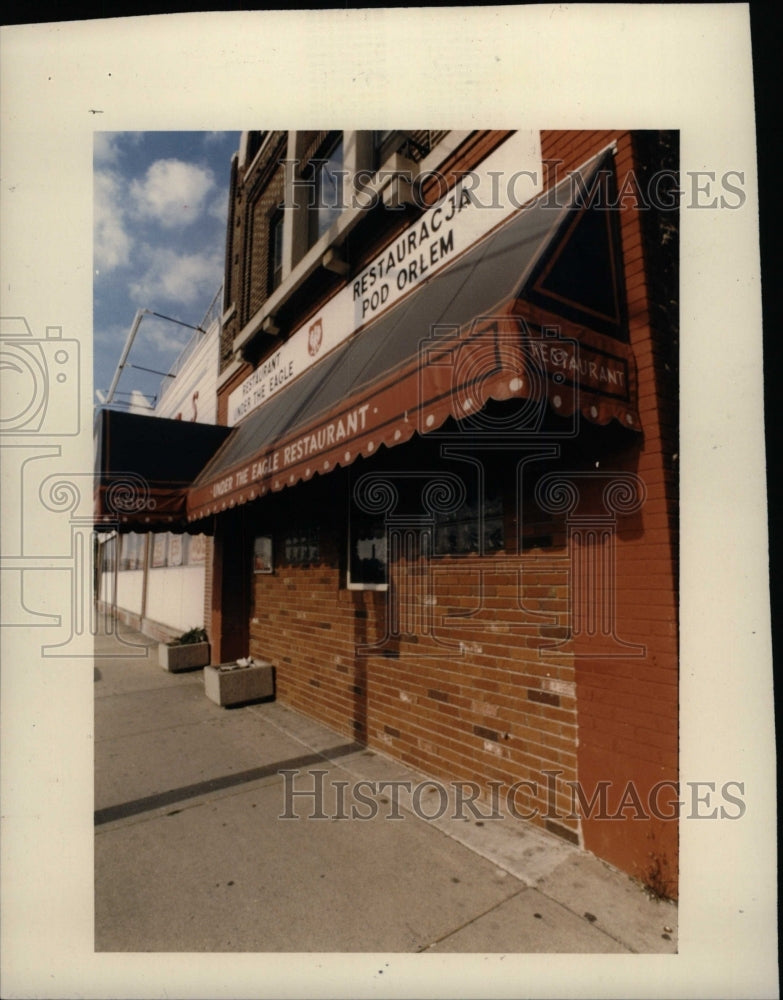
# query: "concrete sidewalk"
[[191, 852]]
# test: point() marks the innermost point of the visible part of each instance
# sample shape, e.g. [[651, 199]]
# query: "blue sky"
[[159, 241]]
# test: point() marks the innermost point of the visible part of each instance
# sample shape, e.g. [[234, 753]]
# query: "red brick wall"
[[628, 708], [483, 715], [489, 711], [209, 585], [256, 269]]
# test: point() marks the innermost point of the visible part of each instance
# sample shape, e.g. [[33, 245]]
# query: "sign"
[[262, 554], [591, 369], [175, 550], [198, 549], [595, 378], [483, 198], [159, 551]]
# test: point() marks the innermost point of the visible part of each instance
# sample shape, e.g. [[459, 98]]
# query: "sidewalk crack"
[[478, 916]]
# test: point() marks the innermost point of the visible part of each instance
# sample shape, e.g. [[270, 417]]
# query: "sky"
[[161, 201]]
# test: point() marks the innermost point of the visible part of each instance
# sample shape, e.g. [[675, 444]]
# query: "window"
[[197, 553], [417, 523], [166, 549], [176, 556], [275, 250], [367, 553], [255, 141], [458, 533], [159, 551], [263, 560], [301, 547], [327, 195], [132, 552], [414, 145], [383, 143]]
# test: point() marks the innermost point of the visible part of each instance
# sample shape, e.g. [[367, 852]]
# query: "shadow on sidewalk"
[[160, 799]]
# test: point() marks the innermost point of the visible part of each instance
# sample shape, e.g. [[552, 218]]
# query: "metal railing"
[[211, 316]]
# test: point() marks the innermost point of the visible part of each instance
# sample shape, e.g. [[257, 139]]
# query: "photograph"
[[384, 539], [262, 554]]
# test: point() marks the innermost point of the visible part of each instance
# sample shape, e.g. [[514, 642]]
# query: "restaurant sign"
[[596, 380], [474, 207]]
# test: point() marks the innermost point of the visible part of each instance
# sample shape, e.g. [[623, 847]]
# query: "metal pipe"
[[125, 352], [177, 321], [152, 371]]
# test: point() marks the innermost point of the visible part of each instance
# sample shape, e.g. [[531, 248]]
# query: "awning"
[[144, 467], [536, 311]]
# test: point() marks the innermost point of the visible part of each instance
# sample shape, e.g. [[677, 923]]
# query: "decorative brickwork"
[[257, 267], [256, 190]]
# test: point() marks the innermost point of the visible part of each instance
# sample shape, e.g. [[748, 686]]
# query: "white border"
[[558, 66]]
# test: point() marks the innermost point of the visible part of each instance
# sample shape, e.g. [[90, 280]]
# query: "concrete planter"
[[235, 687], [188, 656]]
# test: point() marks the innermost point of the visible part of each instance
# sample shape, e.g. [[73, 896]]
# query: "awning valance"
[[535, 311], [144, 467]]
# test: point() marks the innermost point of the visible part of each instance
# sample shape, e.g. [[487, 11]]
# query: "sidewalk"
[[191, 854]]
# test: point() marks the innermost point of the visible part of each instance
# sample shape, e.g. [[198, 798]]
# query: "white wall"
[[107, 585], [198, 374], [130, 585], [175, 596]]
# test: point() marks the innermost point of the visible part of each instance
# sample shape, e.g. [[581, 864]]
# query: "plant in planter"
[[191, 637], [187, 652]]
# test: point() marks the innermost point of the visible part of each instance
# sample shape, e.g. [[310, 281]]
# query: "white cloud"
[[111, 335], [109, 147], [173, 193], [212, 138], [182, 279], [112, 243], [105, 147], [218, 208], [166, 338]]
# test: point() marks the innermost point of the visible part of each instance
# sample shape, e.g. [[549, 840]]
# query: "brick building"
[[446, 510]]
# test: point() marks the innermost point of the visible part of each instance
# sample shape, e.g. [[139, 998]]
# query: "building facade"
[[152, 578], [446, 506]]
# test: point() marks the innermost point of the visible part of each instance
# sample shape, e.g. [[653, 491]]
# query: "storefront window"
[[166, 549], [301, 547], [424, 522], [132, 549], [459, 533], [198, 550], [159, 549], [367, 555], [176, 550], [169, 549]]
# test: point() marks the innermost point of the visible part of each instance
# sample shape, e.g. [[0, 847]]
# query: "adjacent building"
[[148, 576], [441, 493]]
